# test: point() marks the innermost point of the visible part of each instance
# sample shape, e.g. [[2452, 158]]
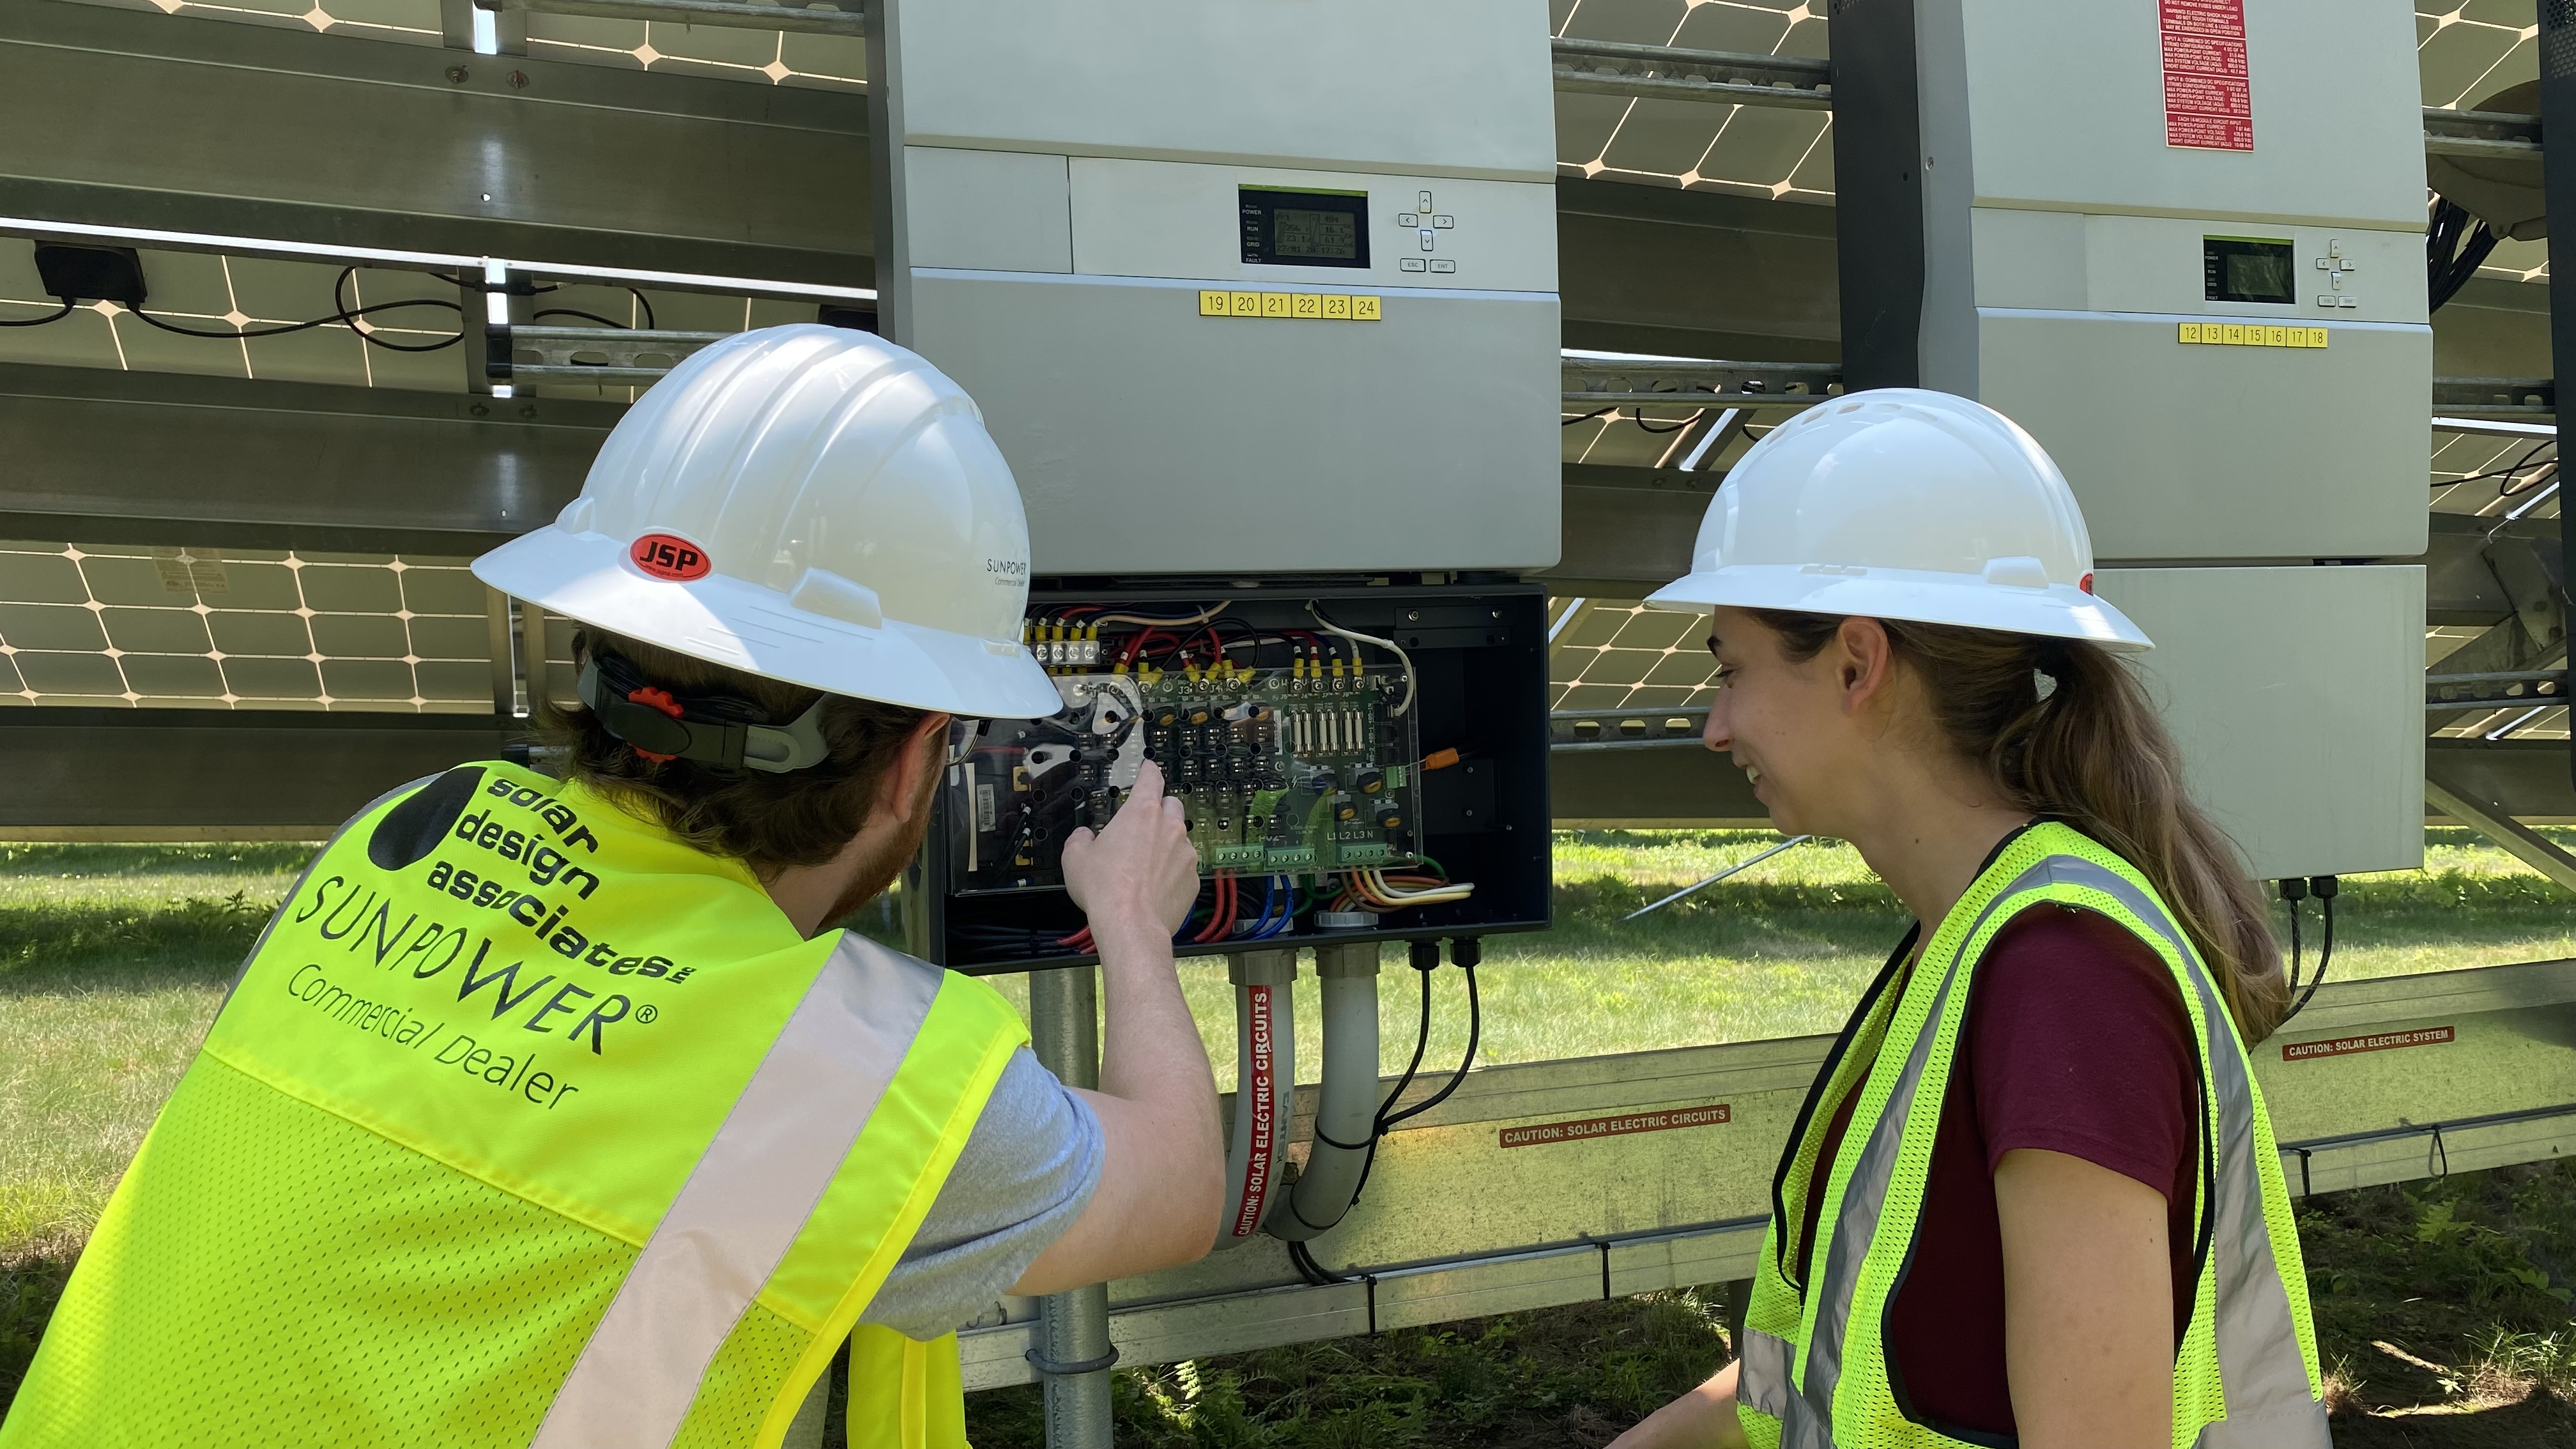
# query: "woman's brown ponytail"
[[2092, 752]]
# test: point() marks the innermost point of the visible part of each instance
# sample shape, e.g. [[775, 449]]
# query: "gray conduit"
[[1265, 1084], [1347, 1111]]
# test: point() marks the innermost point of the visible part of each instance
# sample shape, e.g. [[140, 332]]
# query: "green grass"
[[112, 961], [114, 958]]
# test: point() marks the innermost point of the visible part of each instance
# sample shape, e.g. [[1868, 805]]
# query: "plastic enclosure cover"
[[1316, 776]]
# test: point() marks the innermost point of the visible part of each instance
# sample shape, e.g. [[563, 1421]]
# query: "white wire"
[[1332, 628], [1199, 618]]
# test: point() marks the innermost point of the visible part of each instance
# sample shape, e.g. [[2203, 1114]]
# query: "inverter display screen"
[[1303, 228], [2246, 269]]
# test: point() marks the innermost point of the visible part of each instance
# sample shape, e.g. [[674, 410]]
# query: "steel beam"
[[128, 457], [139, 774], [1695, 273], [1672, 73], [128, 119], [2378, 1081], [2510, 835]]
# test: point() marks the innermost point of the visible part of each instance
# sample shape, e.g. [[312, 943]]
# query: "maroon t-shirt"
[[2077, 1042]]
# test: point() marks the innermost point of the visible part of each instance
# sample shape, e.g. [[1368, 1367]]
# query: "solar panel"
[[1744, 150], [762, 57], [103, 624]]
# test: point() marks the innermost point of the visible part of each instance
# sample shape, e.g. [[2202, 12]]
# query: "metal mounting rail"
[[2480, 133], [1625, 729], [624, 354], [1670, 73], [745, 14], [2487, 691], [2496, 398], [1598, 382]]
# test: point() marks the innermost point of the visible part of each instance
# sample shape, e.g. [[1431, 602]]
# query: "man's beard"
[[878, 871]]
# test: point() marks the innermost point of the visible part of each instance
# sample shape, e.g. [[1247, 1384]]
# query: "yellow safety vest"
[[527, 1123], [1814, 1369]]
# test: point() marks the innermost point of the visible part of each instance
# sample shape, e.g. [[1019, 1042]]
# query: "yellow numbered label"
[[2190, 330], [1274, 304], [1212, 304], [2317, 337], [1337, 306], [2232, 333], [1364, 309], [1306, 304], [1245, 304]]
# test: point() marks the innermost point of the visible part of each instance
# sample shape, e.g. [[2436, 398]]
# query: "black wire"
[[2294, 949], [41, 321], [2507, 491], [1475, 1030], [576, 312], [341, 285], [2325, 953], [1587, 417], [237, 335]]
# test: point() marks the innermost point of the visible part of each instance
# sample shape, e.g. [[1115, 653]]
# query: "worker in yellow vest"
[[2033, 1196], [552, 1110]]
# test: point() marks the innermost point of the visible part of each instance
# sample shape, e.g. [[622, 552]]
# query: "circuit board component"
[[1280, 773]]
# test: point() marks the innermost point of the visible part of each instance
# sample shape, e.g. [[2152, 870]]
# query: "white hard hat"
[[1899, 503], [809, 504]]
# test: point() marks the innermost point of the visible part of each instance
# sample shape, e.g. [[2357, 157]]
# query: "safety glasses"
[[962, 734]]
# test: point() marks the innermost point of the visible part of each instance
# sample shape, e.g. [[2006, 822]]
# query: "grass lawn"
[[114, 958]]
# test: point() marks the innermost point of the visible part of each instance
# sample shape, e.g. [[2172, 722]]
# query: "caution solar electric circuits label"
[[1290, 306]]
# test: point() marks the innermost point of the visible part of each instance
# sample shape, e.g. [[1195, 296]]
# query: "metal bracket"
[[2515, 838]]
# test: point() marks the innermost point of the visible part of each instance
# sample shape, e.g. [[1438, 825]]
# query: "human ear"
[[1864, 660], [917, 762]]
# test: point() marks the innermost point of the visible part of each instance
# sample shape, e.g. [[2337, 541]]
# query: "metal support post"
[[2558, 192], [1074, 1355]]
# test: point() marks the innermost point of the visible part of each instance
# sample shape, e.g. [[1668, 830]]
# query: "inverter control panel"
[[1369, 761]]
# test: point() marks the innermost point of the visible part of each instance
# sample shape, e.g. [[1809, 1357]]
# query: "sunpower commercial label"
[[2209, 92]]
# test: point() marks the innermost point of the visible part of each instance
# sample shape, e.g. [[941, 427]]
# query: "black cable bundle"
[[2294, 890], [2453, 250], [1424, 957]]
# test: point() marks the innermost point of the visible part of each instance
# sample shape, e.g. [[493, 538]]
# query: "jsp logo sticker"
[[669, 556]]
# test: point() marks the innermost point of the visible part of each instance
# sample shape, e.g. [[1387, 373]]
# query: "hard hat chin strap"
[[651, 721]]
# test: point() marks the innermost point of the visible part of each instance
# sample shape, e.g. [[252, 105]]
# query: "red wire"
[[1220, 911]]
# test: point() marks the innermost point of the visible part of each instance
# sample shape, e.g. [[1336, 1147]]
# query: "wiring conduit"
[[1265, 1078], [1346, 1115]]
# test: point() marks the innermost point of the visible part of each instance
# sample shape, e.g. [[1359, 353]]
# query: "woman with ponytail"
[[2033, 1197]]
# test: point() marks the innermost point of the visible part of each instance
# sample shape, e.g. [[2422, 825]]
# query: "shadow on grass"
[[127, 946], [29, 1286], [92, 861], [1567, 1376]]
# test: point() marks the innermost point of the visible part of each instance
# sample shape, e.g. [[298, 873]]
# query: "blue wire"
[[1287, 914]]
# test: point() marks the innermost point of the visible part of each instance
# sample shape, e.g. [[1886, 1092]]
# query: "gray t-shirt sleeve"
[[1027, 1171]]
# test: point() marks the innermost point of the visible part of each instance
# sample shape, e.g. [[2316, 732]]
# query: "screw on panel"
[[477, 409], [518, 79], [456, 75]]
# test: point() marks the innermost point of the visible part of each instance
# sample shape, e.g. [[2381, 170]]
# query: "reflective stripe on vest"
[[745, 1200], [528, 1122], [2264, 1363]]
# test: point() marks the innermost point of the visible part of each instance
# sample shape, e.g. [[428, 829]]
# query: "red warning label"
[[1586, 1128], [2209, 100], [2386, 1041]]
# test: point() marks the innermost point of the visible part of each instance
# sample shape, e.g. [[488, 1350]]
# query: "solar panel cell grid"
[[248, 629]]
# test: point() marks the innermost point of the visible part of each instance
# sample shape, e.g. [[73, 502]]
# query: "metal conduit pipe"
[[1074, 1354], [1346, 1115], [1265, 1081]]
